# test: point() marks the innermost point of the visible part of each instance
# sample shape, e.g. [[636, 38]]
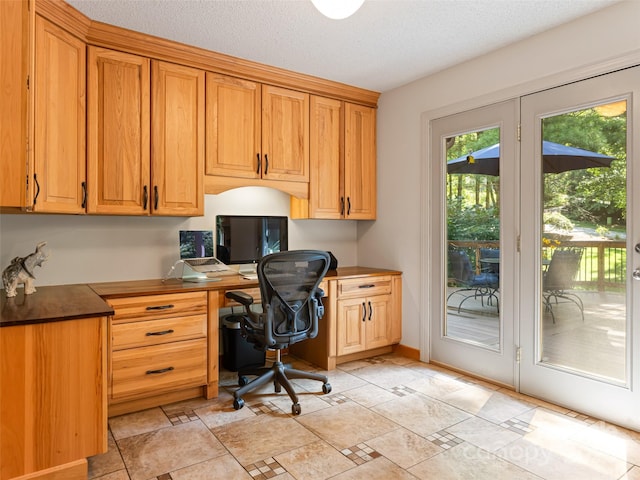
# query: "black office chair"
[[483, 285], [559, 279], [292, 307]]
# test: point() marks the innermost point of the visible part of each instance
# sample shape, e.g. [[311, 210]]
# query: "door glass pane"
[[583, 322], [473, 238]]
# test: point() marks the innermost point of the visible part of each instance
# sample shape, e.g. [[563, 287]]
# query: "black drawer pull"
[[164, 332], [160, 307], [161, 370], [370, 285], [364, 311]]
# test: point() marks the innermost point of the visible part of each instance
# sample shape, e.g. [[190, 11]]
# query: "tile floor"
[[386, 417]]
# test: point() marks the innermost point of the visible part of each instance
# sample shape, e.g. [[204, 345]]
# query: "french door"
[[579, 345], [534, 246], [473, 257]]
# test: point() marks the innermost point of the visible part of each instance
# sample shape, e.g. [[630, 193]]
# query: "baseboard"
[[409, 352]]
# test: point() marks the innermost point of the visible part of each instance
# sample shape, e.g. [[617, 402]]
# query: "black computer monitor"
[[242, 239]]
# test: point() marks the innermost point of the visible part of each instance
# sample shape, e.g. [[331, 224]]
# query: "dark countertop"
[[51, 304]]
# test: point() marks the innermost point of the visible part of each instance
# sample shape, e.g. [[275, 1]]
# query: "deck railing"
[[603, 266]]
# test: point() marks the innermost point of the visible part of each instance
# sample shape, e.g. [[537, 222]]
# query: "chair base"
[[280, 374]]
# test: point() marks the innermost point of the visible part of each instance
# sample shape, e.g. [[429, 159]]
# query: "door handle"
[[636, 274], [637, 247]]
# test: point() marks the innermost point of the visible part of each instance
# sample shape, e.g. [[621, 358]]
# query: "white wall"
[[100, 248], [586, 45]]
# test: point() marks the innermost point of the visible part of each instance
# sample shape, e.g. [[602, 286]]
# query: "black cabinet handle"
[[84, 194], [364, 311], [35, 179], [155, 197], [145, 197], [160, 307], [259, 164], [341, 205], [370, 311], [157, 334], [348, 205], [266, 163], [369, 285], [161, 370]]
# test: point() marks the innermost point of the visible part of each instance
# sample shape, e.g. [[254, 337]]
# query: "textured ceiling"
[[386, 44]]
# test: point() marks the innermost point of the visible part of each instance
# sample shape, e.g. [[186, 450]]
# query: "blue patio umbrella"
[[556, 158]]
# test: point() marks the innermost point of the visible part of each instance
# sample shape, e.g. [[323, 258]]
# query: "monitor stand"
[[190, 275]]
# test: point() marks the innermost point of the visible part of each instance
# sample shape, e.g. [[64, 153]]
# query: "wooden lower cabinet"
[[363, 318], [158, 349], [53, 408]]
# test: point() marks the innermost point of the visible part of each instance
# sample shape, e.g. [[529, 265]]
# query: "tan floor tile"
[[168, 449], [314, 461], [552, 457], [488, 404], [613, 440], [403, 447], [421, 414], [633, 474], [111, 461], [339, 380], [386, 375], [378, 469], [484, 434], [347, 424], [119, 475], [224, 466], [194, 403], [468, 461], [369, 395], [437, 386], [136, 423], [222, 413], [262, 437]]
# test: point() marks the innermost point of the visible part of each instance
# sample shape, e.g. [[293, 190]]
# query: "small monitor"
[[244, 239]]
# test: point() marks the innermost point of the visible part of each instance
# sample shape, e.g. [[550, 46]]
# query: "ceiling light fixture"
[[337, 9]]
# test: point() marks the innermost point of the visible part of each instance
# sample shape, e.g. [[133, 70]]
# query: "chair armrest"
[[240, 297]]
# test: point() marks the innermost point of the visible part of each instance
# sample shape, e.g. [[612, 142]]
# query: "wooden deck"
[[596, 345]]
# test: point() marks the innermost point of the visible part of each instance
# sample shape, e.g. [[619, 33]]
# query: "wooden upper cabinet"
[[177, 139], [285, 134], [233, 119], [60, 118], [326, 184], [118, 162], [360, 162], [14, 72]]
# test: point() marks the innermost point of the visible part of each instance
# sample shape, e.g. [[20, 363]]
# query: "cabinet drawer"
[[360, 287], [155, 332], [140, 371], [158, 306]]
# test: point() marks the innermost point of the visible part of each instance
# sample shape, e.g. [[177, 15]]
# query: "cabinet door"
[[360, 162], [177, 140], [233, 127], [285, 134], [326, 189], [379, 317], [351, 324], [14, 71], [60, 118], [118, 133]]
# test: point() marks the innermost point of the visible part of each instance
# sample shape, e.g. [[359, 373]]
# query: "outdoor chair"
[[482, 286], [559, 278]]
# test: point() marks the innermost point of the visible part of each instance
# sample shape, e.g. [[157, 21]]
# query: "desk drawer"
[[359, 287], [139, 371], [158, 306], [155, 332]]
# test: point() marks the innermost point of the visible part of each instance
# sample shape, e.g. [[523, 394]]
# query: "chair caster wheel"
[[238, 403], [277, 387], [326, 388], [296, 409], [242, 380]]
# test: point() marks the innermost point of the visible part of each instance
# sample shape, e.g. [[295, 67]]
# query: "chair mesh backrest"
[[288, 282], [562, 269], [460, 267]]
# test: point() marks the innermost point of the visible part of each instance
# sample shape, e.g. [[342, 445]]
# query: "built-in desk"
[[164, 336]]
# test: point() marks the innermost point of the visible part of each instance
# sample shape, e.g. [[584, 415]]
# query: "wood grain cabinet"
[[342, 180], [256, 131], [157, 345], [59, 174], [138, 164]]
